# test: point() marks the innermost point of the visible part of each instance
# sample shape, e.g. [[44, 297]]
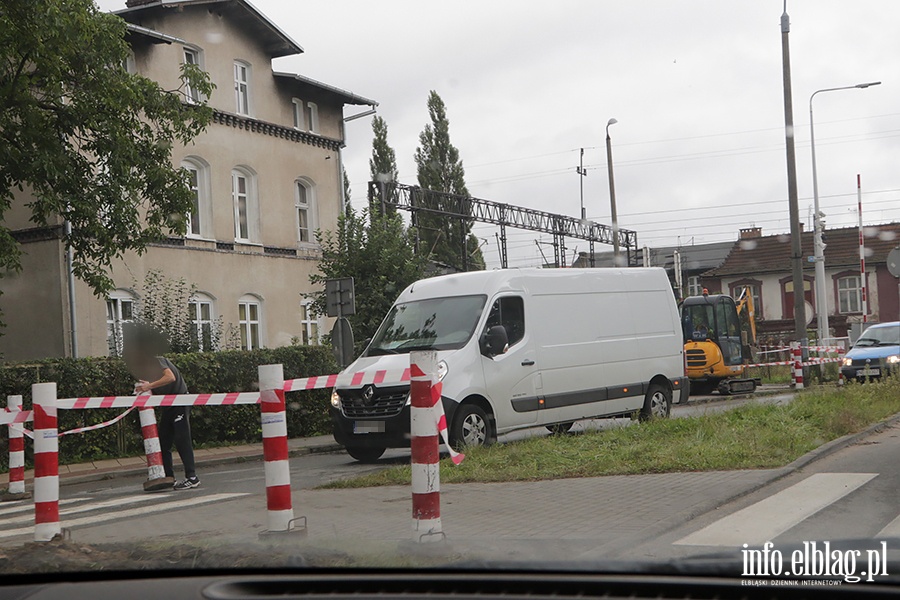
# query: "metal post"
[[16, 488], [612, 195], [581, 175], [280, 511], [424, 442], [46, 462], [862, 253]]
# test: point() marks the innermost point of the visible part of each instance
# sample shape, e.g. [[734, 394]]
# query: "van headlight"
[[893, 360], [442, 370], [335, 399], [848, 362]]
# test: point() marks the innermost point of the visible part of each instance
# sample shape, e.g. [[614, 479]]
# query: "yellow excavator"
[[717, 346]]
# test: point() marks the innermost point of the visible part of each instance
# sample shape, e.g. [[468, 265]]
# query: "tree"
[[384, 159], [165, 306], [440, 169], [378, 255], [87, 141]]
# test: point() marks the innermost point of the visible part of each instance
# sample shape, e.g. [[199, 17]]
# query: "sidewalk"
[[135, 465]]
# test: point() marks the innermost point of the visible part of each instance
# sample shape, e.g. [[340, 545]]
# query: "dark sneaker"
[[186, 484]]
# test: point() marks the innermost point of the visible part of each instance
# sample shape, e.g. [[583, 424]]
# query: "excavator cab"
[[713, 344]]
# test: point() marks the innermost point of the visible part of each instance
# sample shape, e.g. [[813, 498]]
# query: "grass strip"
[[751, 436]]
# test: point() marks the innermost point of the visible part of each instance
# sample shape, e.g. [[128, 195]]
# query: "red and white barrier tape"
[[97, 426], [8, 417], [826, 348], [347, 379], [154, 401], [779, 363]]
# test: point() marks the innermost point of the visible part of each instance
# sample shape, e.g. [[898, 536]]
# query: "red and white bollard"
[[46, 462], [840, 364], [424, 440], [797, 357], [16, 488], [280, 517], [156, 475]]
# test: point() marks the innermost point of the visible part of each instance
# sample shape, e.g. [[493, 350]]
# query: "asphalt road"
[[117, 509]]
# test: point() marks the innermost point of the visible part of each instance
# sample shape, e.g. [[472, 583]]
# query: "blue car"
[[875, 354]]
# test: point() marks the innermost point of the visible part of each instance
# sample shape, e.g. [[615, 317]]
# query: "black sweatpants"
[[175, 426]]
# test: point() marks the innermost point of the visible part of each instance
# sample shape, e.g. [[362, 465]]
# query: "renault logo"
[[368, 393]]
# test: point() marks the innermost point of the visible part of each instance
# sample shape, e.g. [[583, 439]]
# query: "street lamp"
[[819, 224], [612, 195]]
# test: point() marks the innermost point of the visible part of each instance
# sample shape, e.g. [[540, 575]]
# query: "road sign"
[[893, 262], [340, 299], [342, 342]]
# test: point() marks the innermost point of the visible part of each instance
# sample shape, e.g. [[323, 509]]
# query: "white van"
[[521, 348]]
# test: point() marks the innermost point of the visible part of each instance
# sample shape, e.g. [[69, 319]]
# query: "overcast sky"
[[696, 87]]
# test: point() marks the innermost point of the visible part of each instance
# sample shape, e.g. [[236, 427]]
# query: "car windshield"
[[324, 284], [437, 323], [880, 336]]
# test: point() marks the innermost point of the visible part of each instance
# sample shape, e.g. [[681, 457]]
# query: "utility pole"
[[582, 173], [612, 195], [796, 248]]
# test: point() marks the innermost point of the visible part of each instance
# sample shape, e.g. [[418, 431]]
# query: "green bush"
[[210, 372]]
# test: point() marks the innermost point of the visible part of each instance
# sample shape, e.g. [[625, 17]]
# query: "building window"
[[242, 87], [119, 310], [200, 308], [249, 313], [191, 57], [787, 296], [299, 119], [309, 324], [304, 203], [693, 286], [243, 192], [313, 118], [130, 64], [849, 294], [199, 217]]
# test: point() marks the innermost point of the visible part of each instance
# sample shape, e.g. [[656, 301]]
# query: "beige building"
[[266, 174]]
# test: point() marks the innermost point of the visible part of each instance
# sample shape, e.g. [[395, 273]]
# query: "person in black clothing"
[[157, 375]]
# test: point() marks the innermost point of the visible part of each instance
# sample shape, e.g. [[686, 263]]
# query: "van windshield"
[[436, 323]]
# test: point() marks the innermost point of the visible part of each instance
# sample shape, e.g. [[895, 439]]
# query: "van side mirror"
[[494, 341]]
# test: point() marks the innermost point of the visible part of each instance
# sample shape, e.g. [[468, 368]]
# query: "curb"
[[105, 474]]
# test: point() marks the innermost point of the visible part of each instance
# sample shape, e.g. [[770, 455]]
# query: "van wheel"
[[657, 403], [560, 428], [365, 455], [471, 427]]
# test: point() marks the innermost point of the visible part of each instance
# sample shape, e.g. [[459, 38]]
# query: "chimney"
[[750, 233]]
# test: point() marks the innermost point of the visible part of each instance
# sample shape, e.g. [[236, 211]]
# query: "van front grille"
[[384, 403]]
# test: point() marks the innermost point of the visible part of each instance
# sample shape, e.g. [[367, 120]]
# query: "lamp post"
[[612, 195], [818, 223]]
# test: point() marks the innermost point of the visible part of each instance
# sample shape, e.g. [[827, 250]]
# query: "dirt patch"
[[62, 555]]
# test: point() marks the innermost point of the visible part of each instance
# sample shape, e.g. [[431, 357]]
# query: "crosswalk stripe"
[[772, 516], [88, 507], [28, 505], [124, 514], [892, 529]]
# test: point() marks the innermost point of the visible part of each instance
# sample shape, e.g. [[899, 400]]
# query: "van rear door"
[[512, 379]]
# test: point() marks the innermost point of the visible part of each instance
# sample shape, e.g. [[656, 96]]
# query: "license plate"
[[869, 372], [368, 427]]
